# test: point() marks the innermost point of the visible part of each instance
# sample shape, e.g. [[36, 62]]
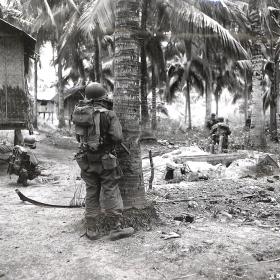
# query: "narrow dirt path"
[[46, 243]]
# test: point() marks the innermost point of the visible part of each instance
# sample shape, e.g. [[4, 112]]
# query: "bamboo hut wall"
[[13, 99]]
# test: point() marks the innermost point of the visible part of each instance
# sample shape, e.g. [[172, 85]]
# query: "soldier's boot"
[[118, 232], [22, 179], [91, 232]]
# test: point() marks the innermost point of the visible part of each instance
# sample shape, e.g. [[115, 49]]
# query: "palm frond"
[[70, 33], [186, 19], [155, 53], [175, 76], [49, 12], [73, 4], [201, 67], [98, 13], [197, 82], [244, 65], [225, 12]]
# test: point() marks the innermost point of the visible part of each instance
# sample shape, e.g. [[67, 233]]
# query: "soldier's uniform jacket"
[[110, 135]]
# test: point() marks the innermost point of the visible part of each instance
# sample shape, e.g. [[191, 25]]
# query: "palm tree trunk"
[[208, 102], [208, 94], [245, 99], [188, 47], [273, 105], [258, 121], [188, 104], [277, 73], [61, 119], [277, 80], [143, 68], [186, 107], [96, 60], [217, 104], [154, 100], [126, 99], [257, 118], [81, 67], [273, 122]]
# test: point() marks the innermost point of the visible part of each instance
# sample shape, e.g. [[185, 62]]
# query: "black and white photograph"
[[139, 139]]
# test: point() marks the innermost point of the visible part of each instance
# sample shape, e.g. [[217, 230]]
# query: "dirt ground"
[[235, 233]]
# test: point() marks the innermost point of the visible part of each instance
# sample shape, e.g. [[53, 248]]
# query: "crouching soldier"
[[219, 134], [23, 161], [98, 130], [211, 121]]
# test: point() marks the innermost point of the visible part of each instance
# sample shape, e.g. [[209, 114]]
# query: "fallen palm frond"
[[78, 199]]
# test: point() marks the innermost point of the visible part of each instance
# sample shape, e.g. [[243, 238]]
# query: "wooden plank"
[[211, 158]]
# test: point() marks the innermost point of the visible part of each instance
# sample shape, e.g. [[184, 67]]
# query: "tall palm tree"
[[226, 75], [272, 66], [244, 71], [184, 74], [126, 99], [231, 16], [157, 67], [256, 16]]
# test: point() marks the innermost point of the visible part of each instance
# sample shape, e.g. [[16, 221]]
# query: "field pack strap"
[[96, 118]]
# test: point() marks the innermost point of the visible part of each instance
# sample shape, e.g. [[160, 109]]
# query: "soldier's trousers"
[[102, 190]]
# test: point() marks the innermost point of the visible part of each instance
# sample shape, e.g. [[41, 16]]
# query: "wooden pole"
[[35, 123], [152, 170]]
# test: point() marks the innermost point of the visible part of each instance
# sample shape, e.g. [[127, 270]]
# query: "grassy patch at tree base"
[[137, 218]]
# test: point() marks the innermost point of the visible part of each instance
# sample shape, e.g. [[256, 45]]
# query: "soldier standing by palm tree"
[[98, 162]]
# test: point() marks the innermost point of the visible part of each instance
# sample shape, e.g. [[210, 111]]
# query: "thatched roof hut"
[[16, 47]]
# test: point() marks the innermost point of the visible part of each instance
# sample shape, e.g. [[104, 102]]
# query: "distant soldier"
[[220, 132], [248, 122], [98, 130], [212, 120]]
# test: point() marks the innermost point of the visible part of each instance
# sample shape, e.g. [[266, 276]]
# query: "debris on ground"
[[170, 167], [170, 235], [188, 218]]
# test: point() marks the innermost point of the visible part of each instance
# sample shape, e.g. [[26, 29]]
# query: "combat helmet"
[[29, 141], [95, 91]]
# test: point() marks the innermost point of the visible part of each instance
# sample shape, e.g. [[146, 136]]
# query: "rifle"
[[125, 148], [12, 160]]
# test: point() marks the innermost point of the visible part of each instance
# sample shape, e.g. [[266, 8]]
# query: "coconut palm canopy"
[[185, 18]]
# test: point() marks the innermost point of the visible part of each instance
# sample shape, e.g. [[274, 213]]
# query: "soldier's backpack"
[[86, 118]]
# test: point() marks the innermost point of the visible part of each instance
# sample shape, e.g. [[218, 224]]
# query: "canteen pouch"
[[109, 161], [82, 161]]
